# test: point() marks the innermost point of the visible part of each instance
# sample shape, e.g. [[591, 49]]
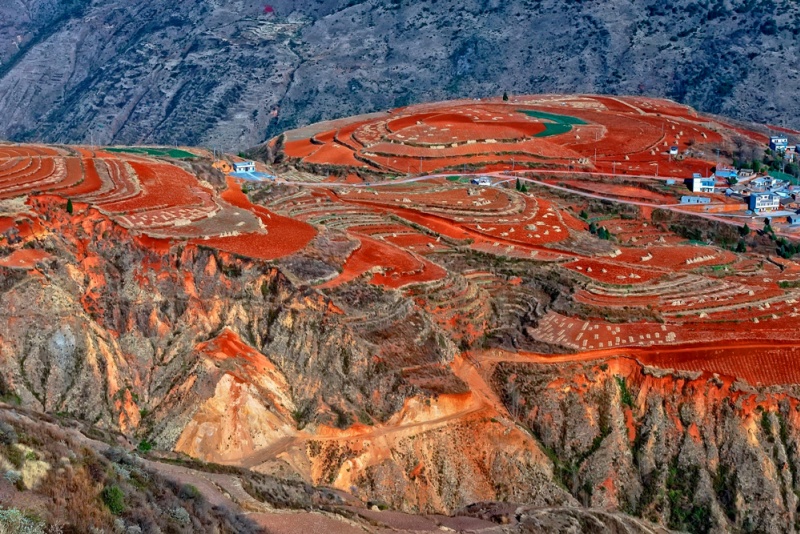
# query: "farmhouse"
[[245, 166], [778, 143], [703, 185], [686, 199], [793, 220], [763, 202]]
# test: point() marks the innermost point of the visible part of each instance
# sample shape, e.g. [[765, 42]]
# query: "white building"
[[762, 202], [245, 166], [703, 185]]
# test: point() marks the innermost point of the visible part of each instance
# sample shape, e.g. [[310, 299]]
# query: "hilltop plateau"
[[491, 316]]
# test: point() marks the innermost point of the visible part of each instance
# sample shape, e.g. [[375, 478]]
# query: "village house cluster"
[[763, 194]]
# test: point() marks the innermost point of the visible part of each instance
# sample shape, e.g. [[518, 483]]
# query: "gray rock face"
[[689, 454], [226, 74]]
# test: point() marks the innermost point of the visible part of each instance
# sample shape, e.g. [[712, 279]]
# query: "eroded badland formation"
[[491, 316]]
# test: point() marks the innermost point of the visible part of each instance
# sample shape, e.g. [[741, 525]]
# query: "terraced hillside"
[[625, 135], [558, 347]]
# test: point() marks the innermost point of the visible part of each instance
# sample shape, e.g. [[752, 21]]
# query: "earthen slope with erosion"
[[577, 350], [230, 74]]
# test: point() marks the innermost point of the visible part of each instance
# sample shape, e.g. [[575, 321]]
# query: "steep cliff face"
[[139, 336], [690, 451], [226, 360]]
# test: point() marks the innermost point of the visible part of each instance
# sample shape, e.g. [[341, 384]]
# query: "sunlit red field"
[[155, 198], [646, 287], [628, 134]]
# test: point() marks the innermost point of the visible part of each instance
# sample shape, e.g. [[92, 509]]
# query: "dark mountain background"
[[226, 73]]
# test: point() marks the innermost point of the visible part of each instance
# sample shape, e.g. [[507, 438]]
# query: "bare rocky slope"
[[226, 74], [235, 361]]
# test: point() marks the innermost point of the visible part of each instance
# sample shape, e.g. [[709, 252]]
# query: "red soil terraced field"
[[608, 272], [494, 220], [283, 236], [392, 266], [758, 364], [619, 191], [153, 198], [629, 134]]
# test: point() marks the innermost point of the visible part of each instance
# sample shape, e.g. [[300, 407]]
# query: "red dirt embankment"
[[395, 266], [284, 235], [24, 259], [767, 363]]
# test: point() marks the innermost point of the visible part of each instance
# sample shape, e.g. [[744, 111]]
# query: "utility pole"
[[512, 165]]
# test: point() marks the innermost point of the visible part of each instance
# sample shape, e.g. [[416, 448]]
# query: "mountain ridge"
[[228, 75]]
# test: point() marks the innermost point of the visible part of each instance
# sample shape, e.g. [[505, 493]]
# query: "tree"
[[69, 206], [593, 227], [505, 96], [518, 186], [583, 215], [744, 231], [741, 247]]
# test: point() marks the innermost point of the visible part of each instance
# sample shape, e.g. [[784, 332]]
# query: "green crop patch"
[[174, 153], [559, 124]]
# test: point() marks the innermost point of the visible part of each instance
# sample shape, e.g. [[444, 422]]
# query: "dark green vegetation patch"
[[174, 153], [559, 124]]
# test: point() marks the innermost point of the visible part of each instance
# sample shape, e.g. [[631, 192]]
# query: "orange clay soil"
[[284, 235], [142, 195], [630, 134], [24, 259], [393, 267], [765, 363]]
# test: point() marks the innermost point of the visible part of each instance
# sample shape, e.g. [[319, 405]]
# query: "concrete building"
[[686, 199], [763, 182], [245, 166], [703, 185], [764, 202], [778, 143], [794, 220]]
